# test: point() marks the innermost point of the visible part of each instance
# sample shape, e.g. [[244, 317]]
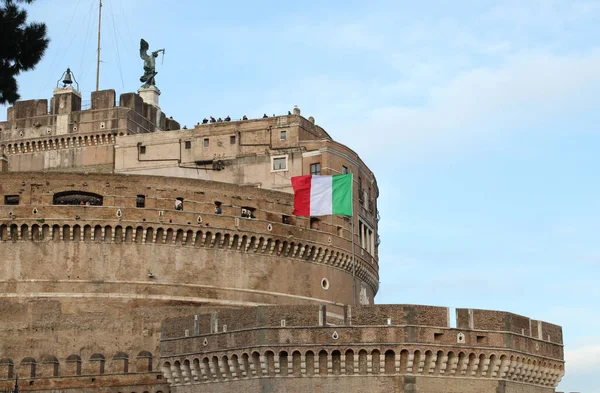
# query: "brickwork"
[[393, 340]]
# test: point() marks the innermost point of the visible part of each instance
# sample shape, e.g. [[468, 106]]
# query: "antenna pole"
[[98, 62]]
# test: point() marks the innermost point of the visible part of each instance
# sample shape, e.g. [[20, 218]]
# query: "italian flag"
[[322, 195]]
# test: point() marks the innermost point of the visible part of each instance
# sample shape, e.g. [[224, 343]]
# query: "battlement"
[[504, 321], [375, 315], [33, 119], [309, 341]]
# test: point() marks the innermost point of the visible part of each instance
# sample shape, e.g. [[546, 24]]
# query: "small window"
[[179, 203], [344, 170], [205, 142], [232, 140], [283, 135], [437, 337], [248, 212], [481, 340], [314, 223], [11, 199], [280, 163], [142, 149], [218, 209], [285, 219], [188, 144], [140, 201], [315, 169]]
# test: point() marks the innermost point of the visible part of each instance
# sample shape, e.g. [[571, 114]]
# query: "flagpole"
[[353, 256], [353, 263]]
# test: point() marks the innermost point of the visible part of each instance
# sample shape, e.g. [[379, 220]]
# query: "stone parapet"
[[390, 340]]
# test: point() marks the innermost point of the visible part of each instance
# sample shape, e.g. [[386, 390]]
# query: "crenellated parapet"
[[399, 341]]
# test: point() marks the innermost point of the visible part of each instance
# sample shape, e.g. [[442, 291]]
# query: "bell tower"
[[65, 101]]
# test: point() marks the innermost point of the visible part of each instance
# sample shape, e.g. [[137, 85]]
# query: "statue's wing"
[[144, 49]]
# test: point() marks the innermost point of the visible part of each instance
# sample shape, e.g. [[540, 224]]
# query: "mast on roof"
[[98, 62]]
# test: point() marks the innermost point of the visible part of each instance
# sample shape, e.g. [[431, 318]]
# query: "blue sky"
[[478, 118]]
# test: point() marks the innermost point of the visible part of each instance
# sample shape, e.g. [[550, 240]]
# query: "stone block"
[[104, 99]]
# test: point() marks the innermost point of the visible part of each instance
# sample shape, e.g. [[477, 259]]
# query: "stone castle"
[[139, 257]]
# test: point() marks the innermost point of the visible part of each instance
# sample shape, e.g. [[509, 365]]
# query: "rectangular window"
[[283, 135], [285, 219], [280, 163], [248, 212], [205, 142], [11, 199], [142, 149], [140, 201], [179, 203], [188, 144], [315, 169], [232, 140], [344, 170], [366, 238], [314, 223]]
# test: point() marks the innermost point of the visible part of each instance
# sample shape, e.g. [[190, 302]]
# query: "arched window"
[[99, 360], [74, 365], [120, 363], [49, 366], [28, 367], [81, 198], [143, 362], [7, 368]]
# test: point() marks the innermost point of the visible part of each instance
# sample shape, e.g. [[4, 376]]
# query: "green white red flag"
[[322, 195]]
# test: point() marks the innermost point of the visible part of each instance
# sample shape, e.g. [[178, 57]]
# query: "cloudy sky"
[[478, 118]]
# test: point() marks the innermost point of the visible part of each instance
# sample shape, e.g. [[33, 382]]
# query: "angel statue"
[[149, 64]]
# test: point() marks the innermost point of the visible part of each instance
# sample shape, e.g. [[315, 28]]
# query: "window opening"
[[283, 136], [188, 144], [344, 170], [11, 199], [285, 219], [142, 149], [315, 169], [218, 208], [314, 223], [205, 142], [279, 164], [232, 140], [248, 212], [81, 198], [140, 201], [179, 203]]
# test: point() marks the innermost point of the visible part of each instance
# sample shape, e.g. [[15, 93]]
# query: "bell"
[[68, 80]]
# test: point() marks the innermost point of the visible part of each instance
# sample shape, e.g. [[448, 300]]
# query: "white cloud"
[[527, 89], [583, 358]]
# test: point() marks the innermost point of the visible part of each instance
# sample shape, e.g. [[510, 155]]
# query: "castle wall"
[[404, 348], [84, 281], [360, 384]]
